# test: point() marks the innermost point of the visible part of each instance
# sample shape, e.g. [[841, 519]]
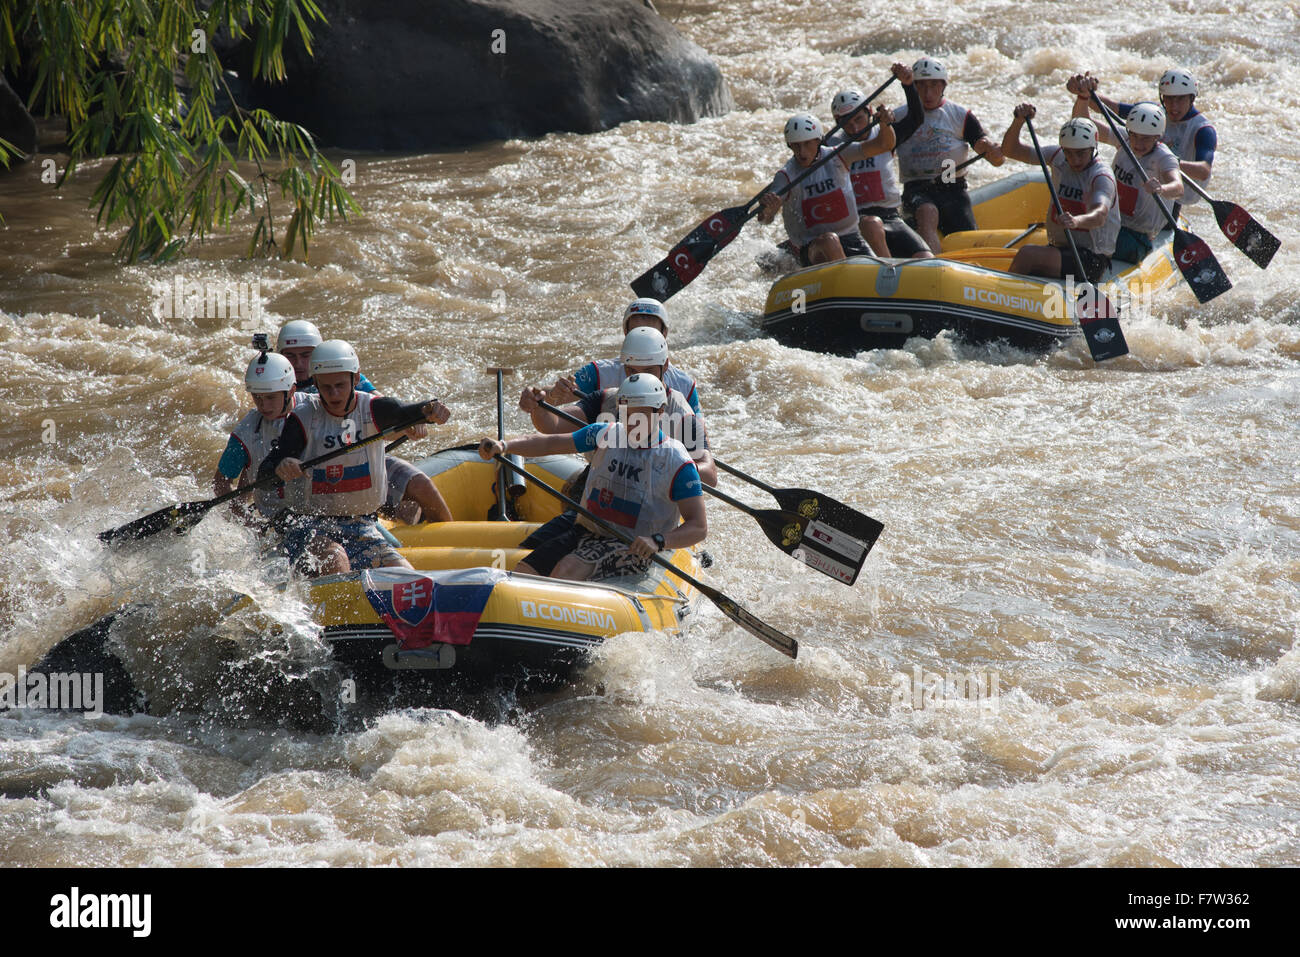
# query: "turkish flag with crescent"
[[825, 210]]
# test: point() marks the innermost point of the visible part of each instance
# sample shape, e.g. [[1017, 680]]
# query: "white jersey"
[[678, 420], [1180, 137], [1138, 209], [257, 434], [632, 488], [610, 374], [354, 483], [1078, 191], [874, 178], [934, 146], [823, 203]]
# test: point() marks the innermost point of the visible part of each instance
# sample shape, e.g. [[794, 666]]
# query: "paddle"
[[755, 626], [1195, 261], [688, 258], [818, 545], [1098, 319], [1246, 233], [185, 515]]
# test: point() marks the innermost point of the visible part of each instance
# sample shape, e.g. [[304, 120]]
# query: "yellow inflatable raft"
[[400, 629], [869, 303]]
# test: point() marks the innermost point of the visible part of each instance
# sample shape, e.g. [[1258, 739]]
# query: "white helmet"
[[846, 101], [645, 307], [928, 68], [803, 127], [1145, 119], [334, 355], [270, 372], [1177, 83], [297, 334], [642, 390], [1079, 134], [644, 346]]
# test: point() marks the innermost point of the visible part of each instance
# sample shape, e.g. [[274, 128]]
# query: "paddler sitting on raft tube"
[[270, 381], [644, 351], [412, 496], [640, 480], [334, 530], [1086, 188], [821, 212]]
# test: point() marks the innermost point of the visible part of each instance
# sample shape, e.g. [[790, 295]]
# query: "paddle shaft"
[[781, 642], [1056, 202], [1128, 151], [1196, 187]]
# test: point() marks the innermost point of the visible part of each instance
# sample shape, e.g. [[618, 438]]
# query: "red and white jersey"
[[823, 203], [939, 138], [874, 178], [1138, 209], [257, 434], [352, 484], [1077, 192], [1180, 137]]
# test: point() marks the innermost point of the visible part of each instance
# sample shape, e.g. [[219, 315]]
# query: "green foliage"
[[140, 79]]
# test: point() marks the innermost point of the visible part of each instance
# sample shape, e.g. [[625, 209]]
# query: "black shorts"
[[903, 241], [1094, 265], [852, 243], [951, 199], [551, 542]]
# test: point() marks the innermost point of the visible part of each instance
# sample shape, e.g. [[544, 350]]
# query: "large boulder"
[[16, 124], [410, 74]]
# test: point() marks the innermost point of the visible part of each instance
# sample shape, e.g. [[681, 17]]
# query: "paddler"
[[1155, 176], [412, 496], [270, 380], [1086, 188], [334, 531], [1188, 133], [875, 178], [934, 192], [644, 351], [640, 480], [820, 213]]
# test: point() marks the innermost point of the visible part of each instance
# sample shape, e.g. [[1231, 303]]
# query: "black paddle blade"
[[755, 626], [1099, 319], [689, 257], [835, 518], [182, 516], [1199, 267], [1246, 234], [819, 546]]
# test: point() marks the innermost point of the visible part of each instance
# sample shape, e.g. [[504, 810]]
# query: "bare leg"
[[573, 569], [873, 231], [424, 493], [927, 224], [825, 249], [1037, 261]]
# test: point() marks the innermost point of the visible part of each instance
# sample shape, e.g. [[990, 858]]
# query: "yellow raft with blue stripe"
[[866, 302], [531, 634]]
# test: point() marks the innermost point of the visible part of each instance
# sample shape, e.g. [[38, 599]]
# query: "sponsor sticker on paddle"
[[831, 551]]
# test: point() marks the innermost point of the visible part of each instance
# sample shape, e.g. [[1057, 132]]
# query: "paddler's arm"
[[1011, 145], [544, 420], [882, 142], [695, 522], [286, 453], [528, 446], [973, 133], [769, 201], [389, 412]]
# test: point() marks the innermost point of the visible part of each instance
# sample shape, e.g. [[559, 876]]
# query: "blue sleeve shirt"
[[233, 460]]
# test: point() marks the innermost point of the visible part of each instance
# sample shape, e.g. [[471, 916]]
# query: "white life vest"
[[823, 203], [678, 420], [610, 375], [257, 434], [1180, 137], [1138, 209], [352, 484], [1074, 189], [874, 178], [630, 488], [938, 139]]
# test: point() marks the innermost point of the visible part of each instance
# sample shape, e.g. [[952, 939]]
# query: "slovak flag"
[[425, 608]]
